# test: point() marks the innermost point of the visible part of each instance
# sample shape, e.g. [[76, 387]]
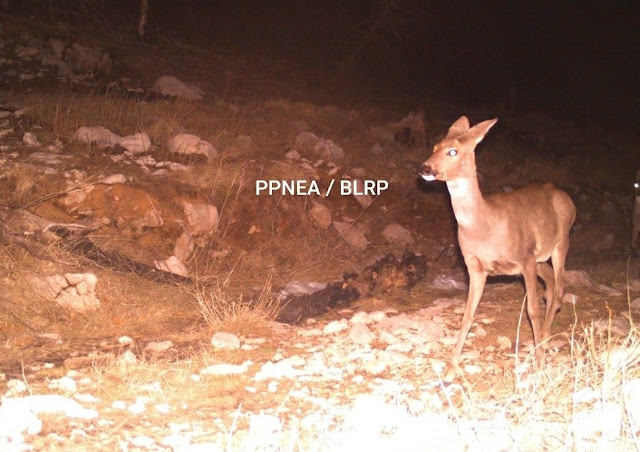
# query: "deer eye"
[[452, 152]]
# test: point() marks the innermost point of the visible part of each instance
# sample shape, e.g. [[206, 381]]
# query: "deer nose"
[[428, 173]]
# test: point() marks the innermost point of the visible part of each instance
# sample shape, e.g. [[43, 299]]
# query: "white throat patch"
[[458, 187]]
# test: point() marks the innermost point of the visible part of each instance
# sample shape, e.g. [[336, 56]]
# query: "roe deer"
[[503, 233], [635, 231]]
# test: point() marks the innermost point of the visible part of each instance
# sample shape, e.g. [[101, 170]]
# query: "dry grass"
[[63, 112], [569, 403], [222, 311]]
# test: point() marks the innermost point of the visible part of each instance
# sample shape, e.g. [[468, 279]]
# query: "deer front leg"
[[477, 280]]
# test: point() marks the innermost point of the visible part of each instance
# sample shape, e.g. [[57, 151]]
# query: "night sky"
[[574, 58], [577, 58]]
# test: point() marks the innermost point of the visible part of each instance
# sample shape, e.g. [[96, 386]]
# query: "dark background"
[[578, 59]]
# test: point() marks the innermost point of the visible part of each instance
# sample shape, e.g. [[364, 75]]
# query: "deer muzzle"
[[428, 173]]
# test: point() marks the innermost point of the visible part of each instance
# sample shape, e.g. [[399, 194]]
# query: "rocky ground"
[[139, 238]]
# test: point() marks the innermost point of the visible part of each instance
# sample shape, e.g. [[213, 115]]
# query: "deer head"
[[454, 156]]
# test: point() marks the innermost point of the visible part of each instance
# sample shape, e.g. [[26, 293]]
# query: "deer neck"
[[469, 206]]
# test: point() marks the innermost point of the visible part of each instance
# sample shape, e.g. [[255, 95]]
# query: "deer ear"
[[477, 132], [459, 127]]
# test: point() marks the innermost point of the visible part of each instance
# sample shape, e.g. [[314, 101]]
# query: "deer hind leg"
[[558, 259], [530, 282], [477, 280], [545, 272]]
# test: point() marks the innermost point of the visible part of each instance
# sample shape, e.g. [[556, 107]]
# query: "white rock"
[[297, 288], [361, 334], [159, 346], [227, 369], [184, 247], [99, 135], [125, 340], [137, 143], [186, 143], [50, 404], [281, 369], [201, 218], [86, 398], [88, 60], [139, 406], [292, 154], [634, 284], [114, 179], [352, 234], [635, 304], [397, 234], [75, 291], [448, 282], [63, 384], [608, 291], [378, 316], [570, 298], [146, 160], [172, 265], [225, 341], [30, 139], [167, 85], [335, 326], [16, 387], [402, 347], [180, 442], [578, 278], [142, 441], [472, 369], [375, 367], [119, 405], [361, 317], [320, 215], [504, 343], [310, 333], [326, 149], [15, 422], [480, 332]]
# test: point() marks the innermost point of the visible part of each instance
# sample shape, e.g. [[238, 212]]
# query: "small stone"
[[397, 234], [137, 143], [352, 234], [504, 343], [159, 346], [335, 326], [225, 341], [361, 334], [292, 154], [30, 139], [320, 215], [125, 340]]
